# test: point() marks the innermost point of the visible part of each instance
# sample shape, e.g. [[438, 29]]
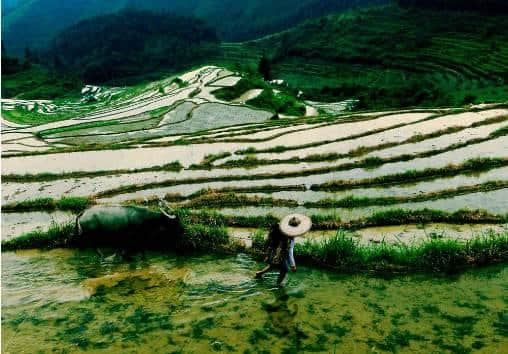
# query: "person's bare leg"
[[281, 278], [263, 271]]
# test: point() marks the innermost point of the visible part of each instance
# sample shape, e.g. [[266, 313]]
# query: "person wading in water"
[[280, 244]]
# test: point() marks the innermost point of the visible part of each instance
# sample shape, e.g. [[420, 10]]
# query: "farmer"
[[280, 244]]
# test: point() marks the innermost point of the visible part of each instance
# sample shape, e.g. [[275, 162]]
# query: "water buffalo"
[[125, 226]]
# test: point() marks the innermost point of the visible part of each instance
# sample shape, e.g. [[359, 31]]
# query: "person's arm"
[[291, 255]]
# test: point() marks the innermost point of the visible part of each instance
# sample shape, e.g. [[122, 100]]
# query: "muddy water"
[[67, 301]]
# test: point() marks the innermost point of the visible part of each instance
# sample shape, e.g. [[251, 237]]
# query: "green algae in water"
[[87, 301]]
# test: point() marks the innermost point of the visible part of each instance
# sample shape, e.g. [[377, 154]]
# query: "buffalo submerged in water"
[[127, 226]]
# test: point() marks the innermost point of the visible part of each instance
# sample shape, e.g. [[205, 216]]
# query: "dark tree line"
[[486, 6], [12, 65], [131, 43]]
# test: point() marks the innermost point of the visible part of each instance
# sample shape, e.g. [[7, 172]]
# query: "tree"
[[265, 67], [129, 44]]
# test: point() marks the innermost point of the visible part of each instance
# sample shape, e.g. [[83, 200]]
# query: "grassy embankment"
[[322, 120], [146, 121], [217, 199], [252, 161], [21, 115], [48, 176], [470, 166], [74, 204], [213, 199], [39, 83], [364, 150], [193, 236], [360, 202], [340, 252], [283, 102], [477, 165], [344, 253], [333, 222]]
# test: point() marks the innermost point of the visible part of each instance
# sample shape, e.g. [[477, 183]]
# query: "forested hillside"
[[130, 43], [390, 57], [33, 23], [485, 6]]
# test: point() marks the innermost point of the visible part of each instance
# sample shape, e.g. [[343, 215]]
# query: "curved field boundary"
[[51, 136], [163, 111], [46, 177], [225, 200], [360, 151], [324, 142], [402, 189], [365, 163], [284, 123], [412, 176], [369, 162], [121, 107], [212, 82], [116, 146], [325, 123], [476, 166], [361, 202], [157, 128], [137, 104], [333, 222]]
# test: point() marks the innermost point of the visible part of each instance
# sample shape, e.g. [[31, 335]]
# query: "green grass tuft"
[[58, 235], [345, 253], [206, 231], [74, 204]]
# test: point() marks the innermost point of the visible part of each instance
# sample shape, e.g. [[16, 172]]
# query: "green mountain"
[[483, 6], [113, 48], [34, 23], [390, 57], [410, 53]]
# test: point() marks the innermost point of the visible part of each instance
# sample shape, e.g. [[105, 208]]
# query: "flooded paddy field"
[[15, 224], [495, 202], [303, 194], [408, 234], [174, 140], [90, 301], [392, 136]]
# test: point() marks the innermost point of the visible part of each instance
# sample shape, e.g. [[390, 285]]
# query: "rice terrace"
[[384, 122]]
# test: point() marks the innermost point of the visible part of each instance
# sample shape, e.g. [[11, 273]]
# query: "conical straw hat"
[[295, 225]]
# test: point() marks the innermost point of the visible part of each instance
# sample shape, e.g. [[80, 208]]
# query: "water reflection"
[[200, 303]]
